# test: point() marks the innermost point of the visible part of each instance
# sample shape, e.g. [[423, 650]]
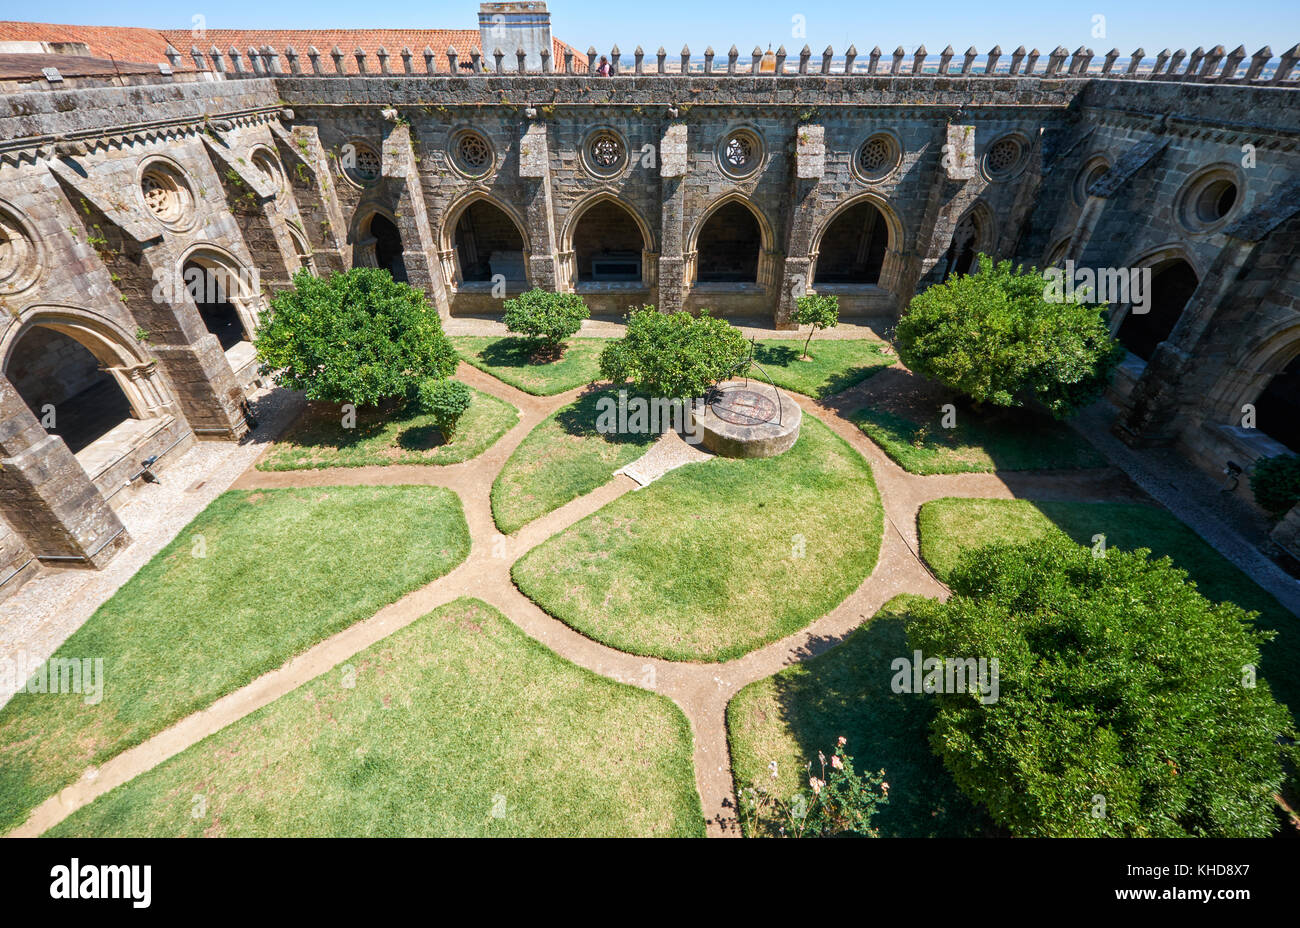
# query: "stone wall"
[[272, 171]]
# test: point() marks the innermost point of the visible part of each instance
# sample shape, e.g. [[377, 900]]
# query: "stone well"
[[748, 419]]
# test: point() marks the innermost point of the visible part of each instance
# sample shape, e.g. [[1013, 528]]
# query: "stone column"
[[674, 266], [46, 495], [535, 164], [796, 274]]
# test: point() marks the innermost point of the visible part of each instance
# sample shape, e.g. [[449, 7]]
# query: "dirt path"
[[702, 691]]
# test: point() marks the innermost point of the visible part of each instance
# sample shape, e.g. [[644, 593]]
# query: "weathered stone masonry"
[[734, 190]]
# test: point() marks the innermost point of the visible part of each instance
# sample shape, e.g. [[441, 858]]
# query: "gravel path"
[[702, 691]]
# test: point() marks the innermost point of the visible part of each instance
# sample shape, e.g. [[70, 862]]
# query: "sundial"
[[744, 407]]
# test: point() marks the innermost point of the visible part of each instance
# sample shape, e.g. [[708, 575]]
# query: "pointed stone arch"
[[575, 264], [889, 264], [765, 263], [452, 233]]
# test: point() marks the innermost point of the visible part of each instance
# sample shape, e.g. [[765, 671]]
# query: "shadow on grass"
[[516, 351], [421, 438], [580, 418], [321, 426], [846, 691], [784, 357]]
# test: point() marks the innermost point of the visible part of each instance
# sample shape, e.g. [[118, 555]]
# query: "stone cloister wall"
[[107, 192]]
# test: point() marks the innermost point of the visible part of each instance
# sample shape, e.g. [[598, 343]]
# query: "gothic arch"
[[238, 282], [570, 260], [896, 235], [1171, 262], [767, 239], [117, 351], [447, 233]]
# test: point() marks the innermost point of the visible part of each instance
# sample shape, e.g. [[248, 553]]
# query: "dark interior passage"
[[729, 246], [1277, 411], [488, 243], [853, 247], [50, 369], [607, 244], [210, 290], [388, 247], [1171, 287]]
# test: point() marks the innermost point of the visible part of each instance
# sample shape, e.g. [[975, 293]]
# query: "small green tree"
[[1126, 703], [548, 317], [357, 337], [821, 311], [673, 354], [445, 401], [1275, 483], [996, 337]]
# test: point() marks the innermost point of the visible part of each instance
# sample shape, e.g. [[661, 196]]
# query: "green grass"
[[836, 365], [563, 458], [791, 716], [318, 438], [456, 717], [701, 564], [281, 570], [950, 526], [1016, 440], [510, 359]]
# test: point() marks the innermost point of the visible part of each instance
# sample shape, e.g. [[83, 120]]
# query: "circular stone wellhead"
[[747, 419]]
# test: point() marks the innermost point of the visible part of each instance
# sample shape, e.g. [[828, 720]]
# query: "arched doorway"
[[388, 246], [853, 247], [486, 243], [729, 246], [1172, 285], [212, 291], [967, 240], [608, 245], [1277, 410], [65, 387]]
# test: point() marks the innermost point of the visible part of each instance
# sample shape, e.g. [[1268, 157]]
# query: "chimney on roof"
[[520, 25]]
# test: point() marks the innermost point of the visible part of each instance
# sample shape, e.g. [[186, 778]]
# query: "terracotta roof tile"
[[126, 43]]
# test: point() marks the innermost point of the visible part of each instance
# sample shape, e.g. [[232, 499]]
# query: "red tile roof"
[[149, 45]]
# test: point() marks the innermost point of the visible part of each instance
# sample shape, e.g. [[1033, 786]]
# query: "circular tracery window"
[[166, 194], [605, 152], [361, 163], [269, 168], [1088, 175], [19, 256], [1004, 158], [741, 153], [877, 157], [471, 153]]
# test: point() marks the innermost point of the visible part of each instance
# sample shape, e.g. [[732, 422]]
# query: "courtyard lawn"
[[510, 359], [256, 578], [457, 725], [318, 438], [835, 365], [950, 526], [563, 458], [788, 718], [718, 557], [1018, 439]]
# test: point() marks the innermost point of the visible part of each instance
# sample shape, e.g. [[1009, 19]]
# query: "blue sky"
[[936, 23]]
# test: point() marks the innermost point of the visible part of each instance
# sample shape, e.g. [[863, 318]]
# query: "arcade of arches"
[[487, 242]]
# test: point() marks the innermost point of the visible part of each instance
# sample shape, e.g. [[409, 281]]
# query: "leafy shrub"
[[995, 337], [816, 310], [673, 354], [839, 801], [1276, 483], [444, 400], [356, 337], [1126, 703], [548, 317]]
